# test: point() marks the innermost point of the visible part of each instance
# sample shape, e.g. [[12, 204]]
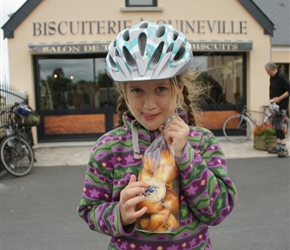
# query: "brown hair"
[[188, 100]]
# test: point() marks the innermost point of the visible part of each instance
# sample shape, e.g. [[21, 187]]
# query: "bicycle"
[[17, 155], [239, 127]]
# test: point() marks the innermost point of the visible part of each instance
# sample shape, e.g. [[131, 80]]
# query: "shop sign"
[[69, 48], [107, 27], [201, 46], [221, 46]]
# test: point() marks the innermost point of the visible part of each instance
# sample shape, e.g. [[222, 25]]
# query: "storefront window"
[[79, 89], [222, 76], [77, 83]]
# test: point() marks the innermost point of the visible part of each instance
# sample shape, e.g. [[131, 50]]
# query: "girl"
[[150, 66]]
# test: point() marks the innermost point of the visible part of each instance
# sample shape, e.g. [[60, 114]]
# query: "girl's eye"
[[136, 91], [160, 89]]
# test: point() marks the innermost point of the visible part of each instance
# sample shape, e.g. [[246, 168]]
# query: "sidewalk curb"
[[77, 153]]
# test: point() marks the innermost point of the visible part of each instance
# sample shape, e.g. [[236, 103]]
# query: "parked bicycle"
[[239, 127], [16, 152]]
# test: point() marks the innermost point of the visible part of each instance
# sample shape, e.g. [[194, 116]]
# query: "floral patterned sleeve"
[[97, 206], [204, 179]]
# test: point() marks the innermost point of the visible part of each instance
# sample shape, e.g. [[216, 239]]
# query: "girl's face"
[[150, 102]]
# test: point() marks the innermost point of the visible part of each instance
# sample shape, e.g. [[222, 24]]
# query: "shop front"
[[62, 59]]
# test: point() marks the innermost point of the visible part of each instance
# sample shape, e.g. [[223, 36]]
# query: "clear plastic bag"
[[159, 169]]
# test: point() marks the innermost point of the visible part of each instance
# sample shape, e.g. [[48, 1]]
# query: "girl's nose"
[[150, 102]]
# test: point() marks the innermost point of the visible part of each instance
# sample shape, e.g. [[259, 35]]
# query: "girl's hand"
[[129, 198], [176, 134]]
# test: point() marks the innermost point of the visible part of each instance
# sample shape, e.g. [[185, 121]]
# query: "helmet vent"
[[160, 32], [115, 43], [112, 62], [179, 54], [175, 35], [129, 58], [144, 25], [157, 53], [117, 53], [142, 40], [126, 35], [170, 48]]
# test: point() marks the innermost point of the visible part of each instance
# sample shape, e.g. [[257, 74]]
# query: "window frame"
[[154, 4]]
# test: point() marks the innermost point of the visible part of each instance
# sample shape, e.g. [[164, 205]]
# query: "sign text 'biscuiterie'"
[[107, 27]]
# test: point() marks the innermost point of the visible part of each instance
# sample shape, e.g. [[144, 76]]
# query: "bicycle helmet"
[[148, 51], [23, 110]]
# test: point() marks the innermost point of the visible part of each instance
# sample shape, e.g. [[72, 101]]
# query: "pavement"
[[77, 153], [38, 211]]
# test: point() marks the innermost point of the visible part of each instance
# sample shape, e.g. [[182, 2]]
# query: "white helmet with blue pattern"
[[148, 51]]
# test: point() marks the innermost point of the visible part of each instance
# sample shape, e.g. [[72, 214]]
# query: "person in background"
[[150, 65], [279, 91]]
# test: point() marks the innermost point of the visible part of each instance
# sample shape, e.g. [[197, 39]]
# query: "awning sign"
[[197, 46]]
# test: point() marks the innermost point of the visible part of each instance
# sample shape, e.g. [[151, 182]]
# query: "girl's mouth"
[[149, 116]]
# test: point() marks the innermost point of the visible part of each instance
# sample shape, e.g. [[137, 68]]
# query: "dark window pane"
[[141, 3], [223, 78], [72, 83]]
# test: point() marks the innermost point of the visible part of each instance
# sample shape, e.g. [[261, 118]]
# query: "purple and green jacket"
[[207, 194]]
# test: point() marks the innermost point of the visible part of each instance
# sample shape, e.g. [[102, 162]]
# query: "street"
[[38, 212]]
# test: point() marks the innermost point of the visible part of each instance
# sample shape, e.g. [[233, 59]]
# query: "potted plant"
[[264, 137]]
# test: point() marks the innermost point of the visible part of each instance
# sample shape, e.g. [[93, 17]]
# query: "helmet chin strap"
[[135, 140]]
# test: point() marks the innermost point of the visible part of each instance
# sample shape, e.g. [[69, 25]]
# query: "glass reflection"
[[222, 76], [82, 83], [75, 84]]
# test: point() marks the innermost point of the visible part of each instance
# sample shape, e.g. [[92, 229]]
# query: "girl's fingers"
[[132, 192], [134, 201], [133, 178], [131, 216], [133, 183], [133, 189], [175, 125], [140, 212], [136, 184], [176, 134]]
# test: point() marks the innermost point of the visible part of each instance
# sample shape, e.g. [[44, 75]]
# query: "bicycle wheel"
[[237, 128], [16, 155], [286, 124]]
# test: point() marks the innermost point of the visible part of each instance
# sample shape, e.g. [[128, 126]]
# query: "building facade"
[[279, 13], [57, 54]]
